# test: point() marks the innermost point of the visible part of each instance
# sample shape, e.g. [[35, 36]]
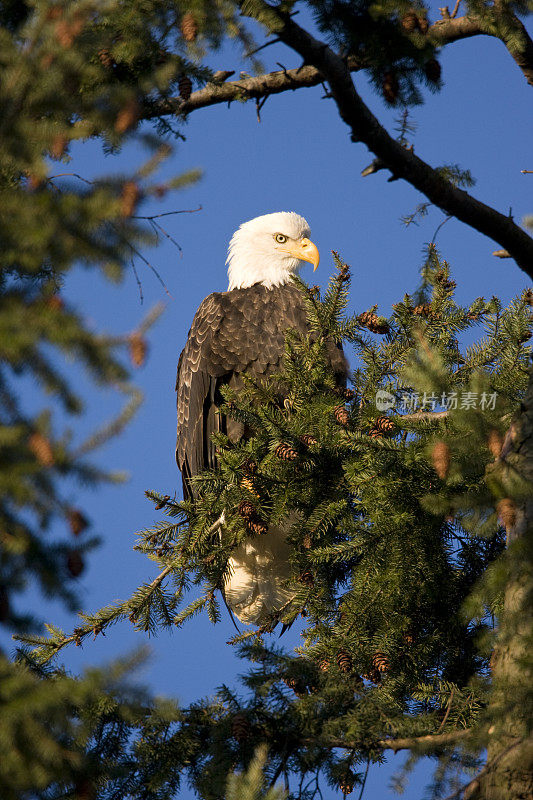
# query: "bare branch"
[[403, 164], [431, 741], [447, 30]]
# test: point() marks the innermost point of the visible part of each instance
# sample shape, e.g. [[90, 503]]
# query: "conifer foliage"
[[396, 516]]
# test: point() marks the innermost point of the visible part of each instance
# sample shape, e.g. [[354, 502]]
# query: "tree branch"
[[401, 162], [446, 31], [430, 741], [245, 89]]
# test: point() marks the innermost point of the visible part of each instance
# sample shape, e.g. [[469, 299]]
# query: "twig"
[[444, 221], [526, 171], [159, 227], [421, 415], [364, 779], [456, 9], [447, 714], [262, 47], [168, 213], [139, 284]]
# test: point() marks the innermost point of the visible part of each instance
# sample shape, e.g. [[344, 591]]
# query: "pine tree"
[[397, 518]]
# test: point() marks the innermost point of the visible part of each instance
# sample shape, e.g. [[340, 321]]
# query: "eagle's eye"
[[280, 238]]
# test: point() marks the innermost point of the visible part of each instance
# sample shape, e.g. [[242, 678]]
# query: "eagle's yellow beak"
[[305, 250]]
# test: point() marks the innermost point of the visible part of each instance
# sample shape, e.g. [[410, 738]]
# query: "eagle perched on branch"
[[235, 333]]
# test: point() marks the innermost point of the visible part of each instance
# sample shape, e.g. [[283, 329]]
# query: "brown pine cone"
[[59, 146], [341, 415], [409, 21], [372, 322], [382, 425], [189, 27], [247, 483], [349, 394], [423, 310], [75, 563], [423, 24], [506, 513], [249, 467], [129, 198], [257, 526], [440, 458], [495, 442], [42, 449], [298, 686], [344, 662], [390, 87], [286, 452], [433, 70], [77, 521], [185, 87], [137, 347], [106, 59], [347, 782], [55, 302], [307, 579], [162, 503], [323, 665], [380, 661], [528, 297], [128, 116], [246, 509], [308, 440], [240, 727]]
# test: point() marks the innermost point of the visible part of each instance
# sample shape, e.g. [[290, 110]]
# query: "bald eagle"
[[235, 333]]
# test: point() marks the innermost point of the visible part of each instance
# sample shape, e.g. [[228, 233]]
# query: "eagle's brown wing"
[[236, 332]]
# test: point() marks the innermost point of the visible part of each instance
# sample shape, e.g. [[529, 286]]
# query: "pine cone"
[[137, 346], [506, 513], [75, 563], [4, 604], [341, 415], [55, 302], [128, 202], [307, 579], [440, 458], [77, 521], [372, 322], [344, 662], [528, 297], [162, 503], [249, 467], [286, 452], [495, 442], [409, 21], [390, 87], [240, 728], [128, 116], [349, 394], [297, 685], [106, 59], [42, 449], [189, 27], [246, 509], [59, 146], [380, 661], [308, 440], [423, 24], [68, 30], [257, 526], [347, 782], [185, 87], [433, 70], [373, 675], [424, 310], [323, 665], [247, 483], [382, 425]]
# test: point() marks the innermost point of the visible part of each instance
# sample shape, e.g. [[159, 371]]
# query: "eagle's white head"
[[269, 249]]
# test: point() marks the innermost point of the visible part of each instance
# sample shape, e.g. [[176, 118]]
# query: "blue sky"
[[299, 158]]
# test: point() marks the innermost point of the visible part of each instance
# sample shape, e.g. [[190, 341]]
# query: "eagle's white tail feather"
[[259, 569]]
